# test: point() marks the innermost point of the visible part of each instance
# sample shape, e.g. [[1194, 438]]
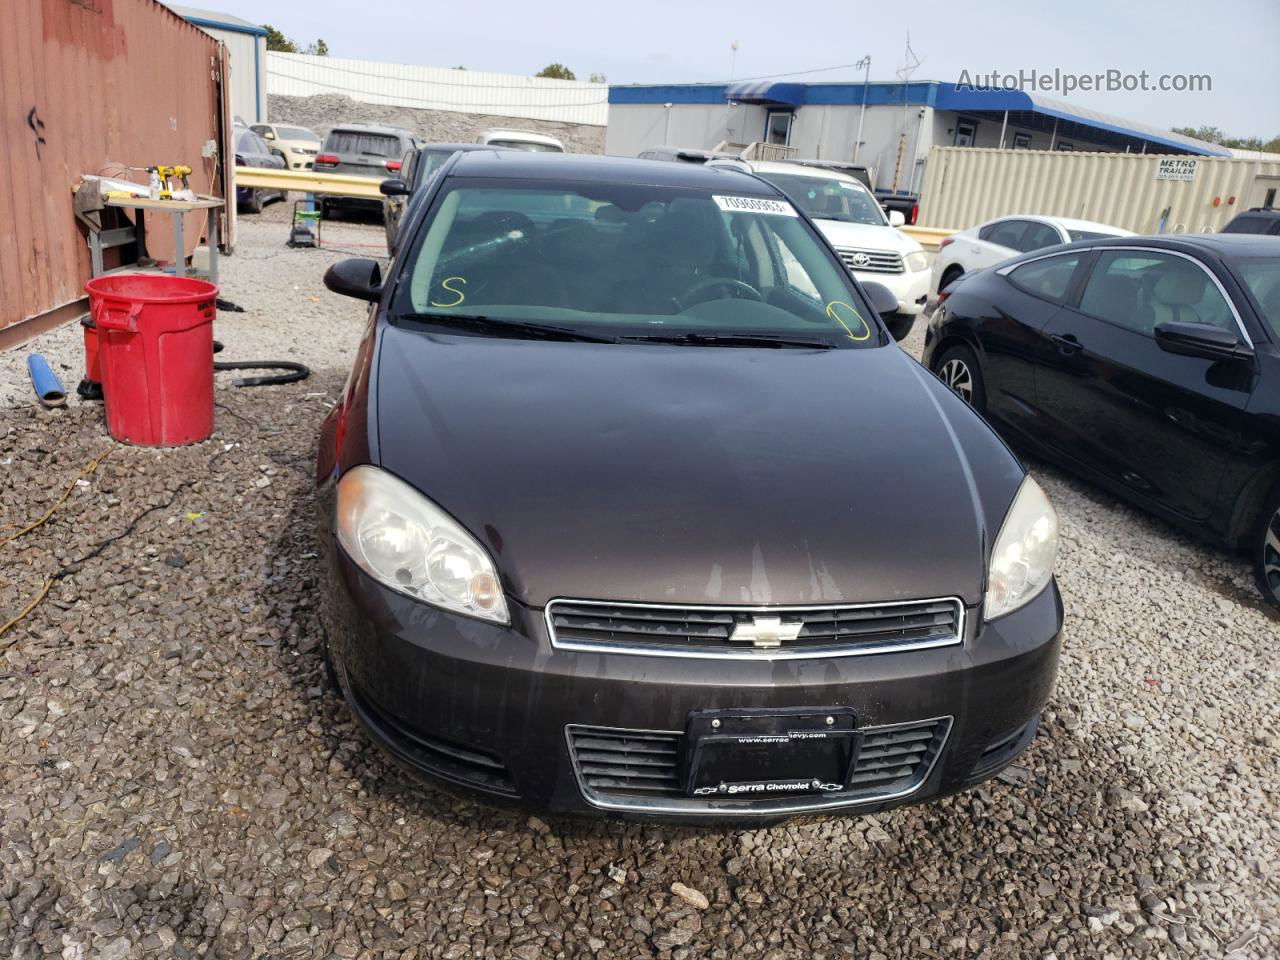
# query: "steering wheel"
[[711, 283]]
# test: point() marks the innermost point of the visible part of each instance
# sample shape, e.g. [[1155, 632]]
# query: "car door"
[[996, 242], [1026, 298], [1158, 425]]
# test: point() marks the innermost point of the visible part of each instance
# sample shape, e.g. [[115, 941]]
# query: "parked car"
[[997, 240], [521, 140], [1150, 365], [684, 154], [365, 150], [252, 151], [891, 201], [296, 146], [1264, 220], [416, 168], [865, 237], [610, 522]]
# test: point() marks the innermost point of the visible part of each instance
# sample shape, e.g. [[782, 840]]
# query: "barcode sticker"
[[755, 205]]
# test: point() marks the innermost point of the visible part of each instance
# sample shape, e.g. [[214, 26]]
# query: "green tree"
[[277, 41], [1214, 135], [319, 48], [556, 71], [598, 78]]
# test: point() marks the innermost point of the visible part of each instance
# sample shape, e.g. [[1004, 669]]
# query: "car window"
[[294, 133], [824, 198], [1090, 235], [1262, 277], [631, 260], [1139, 289], [1004, 233], [1037, 236], [370, 144], [1247, 223], [1048, 279]]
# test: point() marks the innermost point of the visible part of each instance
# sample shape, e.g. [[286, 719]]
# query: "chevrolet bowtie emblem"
[[765, 633]]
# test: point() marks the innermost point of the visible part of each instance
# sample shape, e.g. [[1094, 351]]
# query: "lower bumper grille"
[[871, 261], [639, 770], [749, 632], [447, 761]]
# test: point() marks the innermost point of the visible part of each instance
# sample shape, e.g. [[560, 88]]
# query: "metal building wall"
[[439, 88], [89, 88], [965, 186]]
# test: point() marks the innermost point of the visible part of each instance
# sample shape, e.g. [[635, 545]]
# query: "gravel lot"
[[177, 780]]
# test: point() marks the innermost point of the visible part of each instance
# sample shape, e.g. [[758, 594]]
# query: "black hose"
[[297, 371]]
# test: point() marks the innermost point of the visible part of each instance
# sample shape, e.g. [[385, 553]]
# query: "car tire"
[[899, 324], [255, 202], [958, 368], [1266, 550]]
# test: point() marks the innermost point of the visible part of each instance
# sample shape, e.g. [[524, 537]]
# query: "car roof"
[[460, 147], [372, 128], [520, 164], [1226, 245], [800, 170], [1067, 223]]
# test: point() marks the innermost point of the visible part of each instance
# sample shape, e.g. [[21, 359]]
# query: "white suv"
[[851, 219]]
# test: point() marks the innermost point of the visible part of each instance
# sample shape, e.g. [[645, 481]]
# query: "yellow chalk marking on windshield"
[[461, 296], [834, 314]]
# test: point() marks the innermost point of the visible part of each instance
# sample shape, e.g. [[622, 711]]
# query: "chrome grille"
[[697, 631], [871, 261], [639, 769]]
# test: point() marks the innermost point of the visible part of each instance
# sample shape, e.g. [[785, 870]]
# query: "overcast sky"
[[680, 41]]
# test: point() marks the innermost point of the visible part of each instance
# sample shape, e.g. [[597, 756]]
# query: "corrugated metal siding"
[[965, 186], [439, 88], [86, 88]]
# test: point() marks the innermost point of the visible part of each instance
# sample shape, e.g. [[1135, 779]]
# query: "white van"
[[521, 140]]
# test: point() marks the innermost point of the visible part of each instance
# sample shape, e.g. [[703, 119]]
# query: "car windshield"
[[1262, 277], [295, 133], [527, 145], [826, 199], [619, 261]]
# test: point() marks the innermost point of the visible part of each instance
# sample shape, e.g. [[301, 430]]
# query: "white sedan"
[[997, 240]]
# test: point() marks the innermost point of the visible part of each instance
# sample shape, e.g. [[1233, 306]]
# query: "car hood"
[[696, 474], [866, 236]]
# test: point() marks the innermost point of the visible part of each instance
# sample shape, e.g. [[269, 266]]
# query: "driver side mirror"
[[881, 297], [1201, 340], [394, 187], [896, 219], [357, 277]]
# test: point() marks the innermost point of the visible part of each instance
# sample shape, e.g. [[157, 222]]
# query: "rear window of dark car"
[[1251, 223], [369, 144]]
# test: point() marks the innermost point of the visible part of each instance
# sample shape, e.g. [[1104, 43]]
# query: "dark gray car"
[[371, 150]]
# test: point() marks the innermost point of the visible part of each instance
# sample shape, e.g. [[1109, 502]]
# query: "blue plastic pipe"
[[47, 385]]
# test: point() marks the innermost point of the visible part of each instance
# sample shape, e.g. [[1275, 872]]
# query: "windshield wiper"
[[518, 328], [733, 340]]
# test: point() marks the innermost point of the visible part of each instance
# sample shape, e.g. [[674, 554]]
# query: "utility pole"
[[733, 72], [865, 65], [909, 63]]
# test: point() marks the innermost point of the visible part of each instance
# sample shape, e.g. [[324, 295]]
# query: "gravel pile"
[[178, 780], [324, 110]]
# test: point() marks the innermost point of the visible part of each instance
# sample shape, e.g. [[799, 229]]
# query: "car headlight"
[[916, 261], [1022, 561], [404, 541]]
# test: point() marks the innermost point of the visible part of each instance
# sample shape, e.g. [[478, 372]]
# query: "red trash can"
[[155, 348]]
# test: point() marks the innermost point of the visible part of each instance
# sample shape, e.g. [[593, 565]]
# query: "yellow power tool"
[[169, 172]]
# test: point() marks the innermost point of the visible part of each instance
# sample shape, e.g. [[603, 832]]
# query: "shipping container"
[[93, 88]]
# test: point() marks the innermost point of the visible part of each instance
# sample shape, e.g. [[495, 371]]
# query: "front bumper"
[[911, 289], [499, 710]]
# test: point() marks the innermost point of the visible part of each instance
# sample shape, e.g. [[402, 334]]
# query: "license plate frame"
[[770, 753]]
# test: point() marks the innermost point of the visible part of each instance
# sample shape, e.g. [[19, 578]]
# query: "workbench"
[[178, 210]]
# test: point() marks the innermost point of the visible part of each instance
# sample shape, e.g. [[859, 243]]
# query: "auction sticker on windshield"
[[755, 205]]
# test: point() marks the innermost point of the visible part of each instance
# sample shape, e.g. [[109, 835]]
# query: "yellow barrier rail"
[[309, 181], [927, 237]]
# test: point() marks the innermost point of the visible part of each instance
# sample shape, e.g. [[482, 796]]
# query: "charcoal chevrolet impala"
[[632, 505]]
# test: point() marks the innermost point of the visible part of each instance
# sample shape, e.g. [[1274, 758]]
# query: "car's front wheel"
[[255, 202], [958, 368], [1267, 550]]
